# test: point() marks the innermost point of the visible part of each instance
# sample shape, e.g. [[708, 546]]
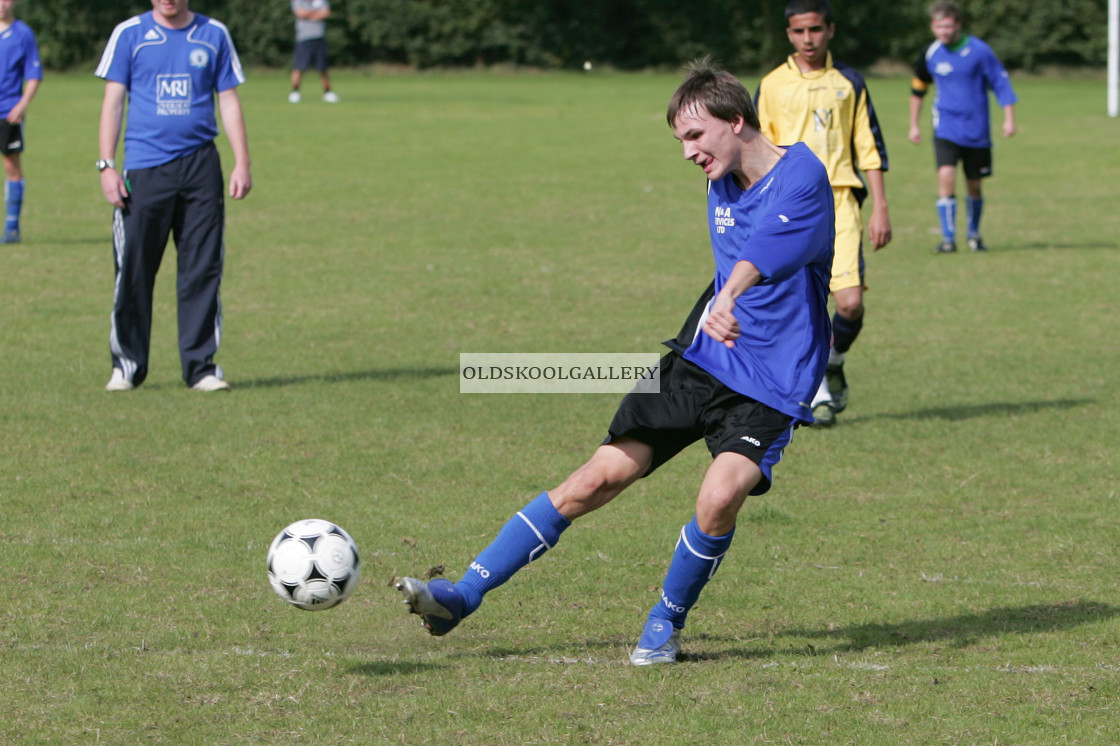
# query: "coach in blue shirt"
[[169, 63]]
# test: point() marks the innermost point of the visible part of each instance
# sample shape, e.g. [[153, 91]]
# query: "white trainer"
[[294, 97], [117, 382], [330, 97], [210, 383]]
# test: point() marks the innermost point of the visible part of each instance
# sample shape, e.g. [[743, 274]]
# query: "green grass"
[[940, 568]]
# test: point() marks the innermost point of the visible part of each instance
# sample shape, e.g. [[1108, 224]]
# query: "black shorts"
[[977, 161], [11, 137], [311, 53], [692, 405]]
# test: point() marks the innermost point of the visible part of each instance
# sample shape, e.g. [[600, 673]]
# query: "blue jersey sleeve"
[[998, 80], [116, 61], [32, 67], [228, 65]]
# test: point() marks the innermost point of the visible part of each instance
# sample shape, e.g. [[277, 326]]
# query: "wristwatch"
[[103, 164]]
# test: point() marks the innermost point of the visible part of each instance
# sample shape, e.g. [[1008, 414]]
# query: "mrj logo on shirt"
[[723, 219], [173, 95]]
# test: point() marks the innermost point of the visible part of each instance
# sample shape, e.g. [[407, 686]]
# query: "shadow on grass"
[[958, 631], [972, 411], [394, 374], [394, 668]]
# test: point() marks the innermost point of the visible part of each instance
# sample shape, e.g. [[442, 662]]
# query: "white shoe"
[[294, 97], [330, 97], [210, 383], [117, 382]]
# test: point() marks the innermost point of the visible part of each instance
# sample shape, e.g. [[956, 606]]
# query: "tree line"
[[743, 35]]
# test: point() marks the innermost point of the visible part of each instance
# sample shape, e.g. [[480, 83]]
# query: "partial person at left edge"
[[170, 64], [20, 75]]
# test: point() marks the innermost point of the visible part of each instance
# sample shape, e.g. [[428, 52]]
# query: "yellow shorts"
[[847, 262]]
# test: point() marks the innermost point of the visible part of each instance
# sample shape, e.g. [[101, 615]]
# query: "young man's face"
[[171, 10], [6, 7], [712, 144], [946, 30], [809, 35]]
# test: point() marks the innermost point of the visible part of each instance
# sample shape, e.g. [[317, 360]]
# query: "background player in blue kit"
[[964, 69], [20, 75], [170, 62], [740, 375]]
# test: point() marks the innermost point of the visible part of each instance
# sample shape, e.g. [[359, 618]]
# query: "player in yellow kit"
[[825, 104]]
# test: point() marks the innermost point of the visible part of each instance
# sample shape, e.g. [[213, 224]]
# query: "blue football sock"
[[947, 212], [528, 535], [974, 208], [695, 561], [13, 200]]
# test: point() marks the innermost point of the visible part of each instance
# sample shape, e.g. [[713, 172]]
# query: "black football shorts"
[[692, 405]]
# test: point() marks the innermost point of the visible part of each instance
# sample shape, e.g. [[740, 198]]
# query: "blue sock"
[[695, 561], [974, 208], [13, 200], [528, 535], [947, 212]]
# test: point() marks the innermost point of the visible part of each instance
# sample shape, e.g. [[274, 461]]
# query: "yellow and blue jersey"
[[829, 110]]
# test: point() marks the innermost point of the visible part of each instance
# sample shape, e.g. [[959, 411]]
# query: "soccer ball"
[[313, 565]]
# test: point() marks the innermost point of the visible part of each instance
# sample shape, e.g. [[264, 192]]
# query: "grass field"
[[939, 568]]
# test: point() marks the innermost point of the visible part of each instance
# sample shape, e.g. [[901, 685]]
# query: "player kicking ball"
[[739, 375]]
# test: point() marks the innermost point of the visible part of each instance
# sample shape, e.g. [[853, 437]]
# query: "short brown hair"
[[716, 90], [945, 9]]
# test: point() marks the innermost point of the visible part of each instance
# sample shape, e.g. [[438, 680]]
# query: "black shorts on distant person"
[[11, 137], [977, 161], [692, 405], [311, 53]]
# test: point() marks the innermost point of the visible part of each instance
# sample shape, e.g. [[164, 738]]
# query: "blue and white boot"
[[660, 643]]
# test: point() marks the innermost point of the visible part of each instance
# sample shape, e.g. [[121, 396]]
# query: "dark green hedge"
[[628, 34]]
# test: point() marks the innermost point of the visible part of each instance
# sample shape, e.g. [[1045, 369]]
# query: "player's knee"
[[717, 509], [851, 309]]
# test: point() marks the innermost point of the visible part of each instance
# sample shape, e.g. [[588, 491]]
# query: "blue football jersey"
[[784, 224], [963, 76], [171, 76], [19, 61]]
